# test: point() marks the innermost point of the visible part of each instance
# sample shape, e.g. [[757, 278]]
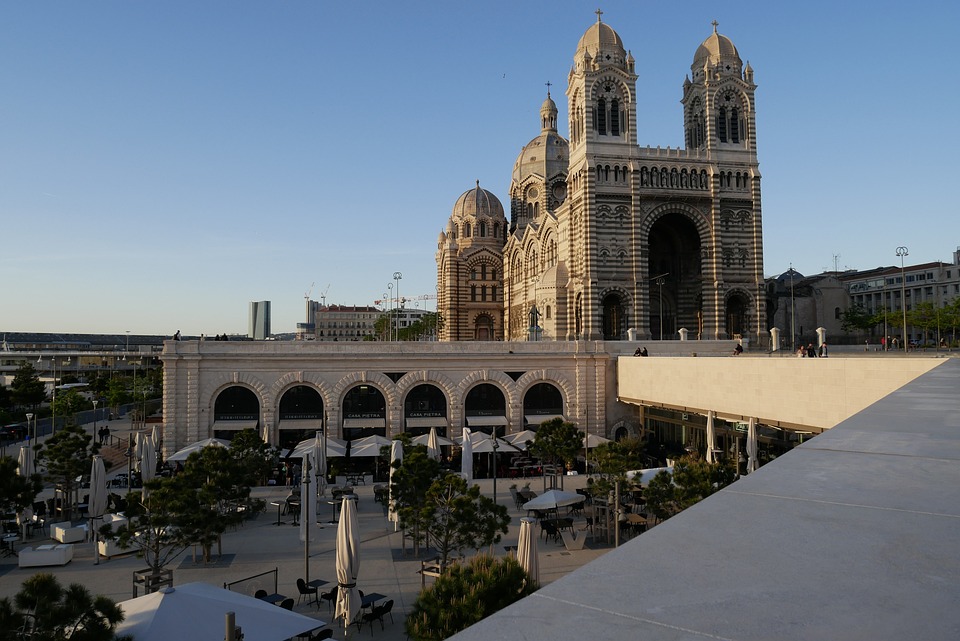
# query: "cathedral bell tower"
[[601, 95]]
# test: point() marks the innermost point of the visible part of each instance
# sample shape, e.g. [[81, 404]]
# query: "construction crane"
[[323, 296], [306, 294]]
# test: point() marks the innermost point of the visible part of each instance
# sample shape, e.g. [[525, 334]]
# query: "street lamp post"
[[95, 418], [793, 316], [496, 446], [390, 315], [396, 277], [901, 252], [129, 454], [31, 431], [659, 281]]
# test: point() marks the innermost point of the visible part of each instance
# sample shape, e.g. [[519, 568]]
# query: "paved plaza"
[[261, 545]]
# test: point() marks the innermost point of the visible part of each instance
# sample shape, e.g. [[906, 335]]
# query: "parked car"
[[13, 432]]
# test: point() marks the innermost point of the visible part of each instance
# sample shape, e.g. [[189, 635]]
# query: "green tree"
[[466, 594], [924, 316], [857, 318], [117, 394], [68, 403], [255, 458], [16, 492], [613, 461], [692, 481], [43, 609], [27, 390], [457, 516], [153, 526], [412, 479], [557, 443], [67, 456]]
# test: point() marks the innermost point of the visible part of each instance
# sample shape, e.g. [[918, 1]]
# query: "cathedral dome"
[[717, 50], [601, 37], [476, 203], [545, 156]]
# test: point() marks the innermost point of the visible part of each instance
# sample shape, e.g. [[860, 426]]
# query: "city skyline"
[[165, 165]]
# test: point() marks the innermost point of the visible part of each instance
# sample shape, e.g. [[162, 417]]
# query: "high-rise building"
[[259, 327], [606, 236]]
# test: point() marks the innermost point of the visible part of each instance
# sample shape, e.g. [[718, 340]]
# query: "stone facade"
[[199, 375], [607, 236]]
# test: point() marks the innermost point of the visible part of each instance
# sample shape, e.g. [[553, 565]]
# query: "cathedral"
[[608, 240]]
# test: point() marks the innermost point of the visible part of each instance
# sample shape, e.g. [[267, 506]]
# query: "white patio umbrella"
[[396, 456], [148, 458], [307, 495], [334, 447], [433, 448], [25, 468], [466, 457], [25, 461], [591, 440], [374, 440], [181, 455], [553, 499], [424, 438], [198, 611], [642, 477], [483, 444], [527, 549], [711, 438], [97, 502], [348, 564], [156, 436], [520, 439], [752, 463], [320, 461]]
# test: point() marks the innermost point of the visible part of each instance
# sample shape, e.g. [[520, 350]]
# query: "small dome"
[[548, 105], [477, 202], [717, 50]]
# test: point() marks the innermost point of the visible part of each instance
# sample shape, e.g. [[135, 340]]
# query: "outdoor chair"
[[549, 530], [377, 614], [307, 591], [287, 604], [330, 596], [259, 594]]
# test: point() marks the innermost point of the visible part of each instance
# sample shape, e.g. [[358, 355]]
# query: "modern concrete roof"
[[853, 535]]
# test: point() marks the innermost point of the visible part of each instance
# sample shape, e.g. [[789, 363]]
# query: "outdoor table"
[[317, 583], [8, 542], [279, 505], [273, 598], [295, 510], [370, 599]]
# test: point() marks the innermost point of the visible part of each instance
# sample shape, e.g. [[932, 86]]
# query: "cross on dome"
[[715, 25], [599, 13]]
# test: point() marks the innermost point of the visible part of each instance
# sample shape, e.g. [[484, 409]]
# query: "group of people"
[[641, 351], [103, 434], [812, 352]]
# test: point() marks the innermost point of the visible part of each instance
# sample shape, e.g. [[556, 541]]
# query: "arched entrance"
[[424, 407], [483, 328], [542, 402], [614, 318], [485, 409], [300, 415], [364, 412], [236, 408], [737, 305], [675, 276]]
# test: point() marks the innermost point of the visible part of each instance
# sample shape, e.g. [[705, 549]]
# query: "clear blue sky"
[[164, 163]]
